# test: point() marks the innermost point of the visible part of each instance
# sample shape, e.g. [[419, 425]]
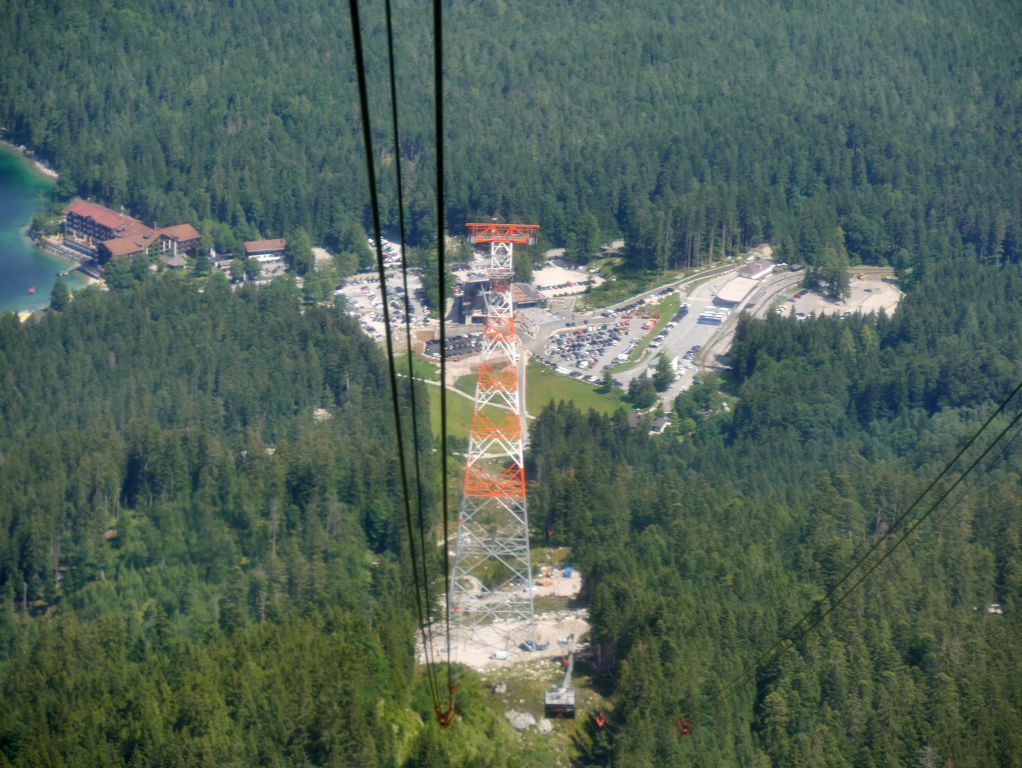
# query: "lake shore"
[[28, 155], [39, 245], [28, 269]]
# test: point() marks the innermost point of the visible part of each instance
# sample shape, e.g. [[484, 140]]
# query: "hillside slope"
[[690, 130]]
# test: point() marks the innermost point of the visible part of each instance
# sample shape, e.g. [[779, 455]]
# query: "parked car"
[[531, 645]]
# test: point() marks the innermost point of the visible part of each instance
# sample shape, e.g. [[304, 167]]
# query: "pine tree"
[[663, 376], [60, 297]]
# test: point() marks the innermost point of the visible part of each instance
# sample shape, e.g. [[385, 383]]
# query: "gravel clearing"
[[477, 647], [870, 293]]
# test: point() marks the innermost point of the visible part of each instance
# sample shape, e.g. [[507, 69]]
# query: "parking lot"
[[680, 339], [683, 337], [582, 347], [869, 292], [555, 279], [584, 350], [364, 299], [457, 346]]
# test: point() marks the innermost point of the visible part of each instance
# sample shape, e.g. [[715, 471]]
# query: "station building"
[[735, 292], [470, 300]]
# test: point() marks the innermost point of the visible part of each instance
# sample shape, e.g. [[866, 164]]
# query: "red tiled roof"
[[125, 246], [179, 232], [102, 215], [132, 235], [257, 246], [137, 230]]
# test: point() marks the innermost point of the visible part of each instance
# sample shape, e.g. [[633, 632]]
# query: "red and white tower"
[[492, 575]]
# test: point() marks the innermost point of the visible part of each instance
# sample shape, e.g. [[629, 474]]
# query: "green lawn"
[[459, 413], [466, 384], [543, 385], [459, 410], [423, 369]]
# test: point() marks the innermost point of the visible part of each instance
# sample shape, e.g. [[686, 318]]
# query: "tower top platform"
[[521, 234]]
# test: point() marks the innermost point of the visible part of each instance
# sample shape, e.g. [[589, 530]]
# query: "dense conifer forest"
[[202, 552], [703, 548], [691, 128], [194, 569], [200, 549], [202, 559]]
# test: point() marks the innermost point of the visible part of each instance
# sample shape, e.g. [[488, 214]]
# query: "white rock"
[[520, 721], [544, 726]]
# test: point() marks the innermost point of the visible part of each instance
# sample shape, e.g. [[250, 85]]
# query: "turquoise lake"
[[22, 193]]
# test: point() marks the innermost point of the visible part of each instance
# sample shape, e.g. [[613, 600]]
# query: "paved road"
[[713, 340], [757, 305], [687, 334], [535, 342], [523, 365]]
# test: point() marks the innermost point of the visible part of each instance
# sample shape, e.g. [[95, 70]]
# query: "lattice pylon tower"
[[492, 574]]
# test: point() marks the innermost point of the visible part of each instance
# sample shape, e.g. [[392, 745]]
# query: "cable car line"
[[913, 547], [438, 112], [812, 618], [916, 523], [955, 504], [424, 627], [809, 620], [686, 725], [407, 305]]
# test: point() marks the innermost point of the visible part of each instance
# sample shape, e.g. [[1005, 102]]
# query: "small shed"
[[659, 425], [265, 250]]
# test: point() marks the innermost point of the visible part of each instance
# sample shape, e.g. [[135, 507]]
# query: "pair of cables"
[[443, 704], [903, 527]]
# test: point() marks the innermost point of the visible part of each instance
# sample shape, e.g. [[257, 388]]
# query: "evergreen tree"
[[253, 269], [299, 252], [663, 376], [641, 392], [60, 297]]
